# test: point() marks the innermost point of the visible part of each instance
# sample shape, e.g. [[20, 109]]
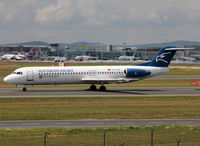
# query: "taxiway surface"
[[95, 123], [111, 91]]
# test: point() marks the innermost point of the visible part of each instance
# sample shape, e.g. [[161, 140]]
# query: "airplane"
[[29, 54], [81, 58], [17, 56], [186, 58], [93, 74], [8, 57], [60, 59], [128, 58]]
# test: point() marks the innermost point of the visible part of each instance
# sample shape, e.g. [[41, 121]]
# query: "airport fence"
[[122, 143], [98, 136]]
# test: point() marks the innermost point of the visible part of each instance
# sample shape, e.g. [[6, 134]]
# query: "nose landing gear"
[[24, 89]]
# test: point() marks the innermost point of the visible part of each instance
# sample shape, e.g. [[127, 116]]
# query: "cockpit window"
[[18, 73]]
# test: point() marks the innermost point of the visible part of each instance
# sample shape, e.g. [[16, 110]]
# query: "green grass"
[[183, 71], [100, 108], [185, 64], [164, 135]]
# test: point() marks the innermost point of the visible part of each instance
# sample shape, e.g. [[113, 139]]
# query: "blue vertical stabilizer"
[[162, 58]]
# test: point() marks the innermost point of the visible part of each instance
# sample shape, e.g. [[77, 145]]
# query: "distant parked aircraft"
[[127, 58], [186, 58], [60, 59], [8, 57], [82, 58], [18, 56], [93, 74]]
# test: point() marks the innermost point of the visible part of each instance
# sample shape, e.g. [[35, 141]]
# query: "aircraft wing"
[[107, 81]]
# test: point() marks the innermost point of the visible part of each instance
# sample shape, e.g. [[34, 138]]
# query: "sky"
[[106, 21]]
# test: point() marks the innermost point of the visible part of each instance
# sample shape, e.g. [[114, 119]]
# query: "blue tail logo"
[[162, 56]]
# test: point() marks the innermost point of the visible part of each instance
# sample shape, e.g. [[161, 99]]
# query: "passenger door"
[[29, 74]]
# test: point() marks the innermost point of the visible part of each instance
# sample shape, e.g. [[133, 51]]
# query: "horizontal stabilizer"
[[178, 49]]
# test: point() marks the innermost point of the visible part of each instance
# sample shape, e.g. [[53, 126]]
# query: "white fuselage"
[[130, 58], [78, 75], [8, 57]]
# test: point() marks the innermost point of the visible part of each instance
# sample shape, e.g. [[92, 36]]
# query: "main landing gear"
[[102, 88], [94, 88]]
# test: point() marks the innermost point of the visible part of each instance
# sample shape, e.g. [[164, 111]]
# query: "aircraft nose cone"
[[7, 79]]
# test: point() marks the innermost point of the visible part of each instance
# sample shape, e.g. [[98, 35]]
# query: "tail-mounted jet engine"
[[135, 73]]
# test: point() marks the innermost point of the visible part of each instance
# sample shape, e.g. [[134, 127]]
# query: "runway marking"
[[63, 123], [96, 123], [30, 123]]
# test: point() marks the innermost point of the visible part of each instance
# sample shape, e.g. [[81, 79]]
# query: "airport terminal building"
[[100, 50], [39, 51]]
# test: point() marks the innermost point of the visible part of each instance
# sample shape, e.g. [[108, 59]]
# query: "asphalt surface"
[[111, 91], [95, 123]]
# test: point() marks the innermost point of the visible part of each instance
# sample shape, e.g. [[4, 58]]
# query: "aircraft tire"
[[93, 88], [24, 89], [102, 88]]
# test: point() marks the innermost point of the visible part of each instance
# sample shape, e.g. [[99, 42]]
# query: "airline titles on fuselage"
[[55, 73]]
